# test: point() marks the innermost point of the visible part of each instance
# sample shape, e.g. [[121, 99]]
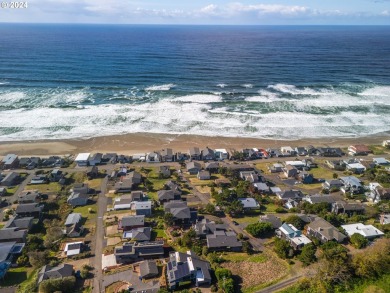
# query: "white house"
[[368, 231], [296, 164], [82, 159], [221, 154], [380, 161], [73, 248], [386, 143]]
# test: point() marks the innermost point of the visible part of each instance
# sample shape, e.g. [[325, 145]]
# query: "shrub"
[[259, 229], [65, 285], [358, 241], [280, 210]]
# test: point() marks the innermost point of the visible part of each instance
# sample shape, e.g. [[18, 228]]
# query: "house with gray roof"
[[172, 185], [165, 171], [167, 155], [148, 269], [7, 252], [95, 159], [193, 167], [10, 161], [10, 179], [203, 175], [19, 223], [294, 236], [138, 234], [29, 210], [29, 196], [206, 227], [73, 225], [250, 176], [182, 214], [142, 208], [324, 231], [195, 153], [275, 221], [188, 266], [261, 187], [153, 157], [351, 184], [61, 271], [3, 190], [78, 199], [249, 203], [380, 161], [13, 234], [212, 167], [82, 188], [223, 241], [321, 198], [349, 208], [291, 194], [167, 195], [332, 184], [208, 154], [131, 252], [130, 222]]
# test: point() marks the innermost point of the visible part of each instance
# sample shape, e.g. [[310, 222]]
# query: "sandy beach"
[[144, 142]]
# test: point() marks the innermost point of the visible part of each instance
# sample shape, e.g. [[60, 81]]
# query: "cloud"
[[385, 13]]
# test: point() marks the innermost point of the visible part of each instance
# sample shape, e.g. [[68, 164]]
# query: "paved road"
[[281, 285], [99, 238]]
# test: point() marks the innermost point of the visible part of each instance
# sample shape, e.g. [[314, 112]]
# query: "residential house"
[[380, 161], [165, 171], [275, 221], [167, 195], [261, 187], [351, 184], [221, 154], [122, 159], [275, 190], [95, 159], [338, 165], [138, 234], [324, 231], [321, 198], [249, 203], [10, 161], [153, 157], [61, 271], [195, 153], [73, 225], [193, 167], [20, 223], [110, 158], [386, 143], [39, 179], [92, 172], [10, 179], [128, 223], [82, 159], [123, 203], [3, 191], [180, 157], [276, 168], [208, 154], [297, 164], [307, 218], [384, 219], [52, 161], [252, 154], [291, 194], [212, 167], [172, 185], [56, 175], [329, 152], [206, 227], [368, 231], [8, 250], [288, 151], [275, 153], [13, 234], [183, 267], [359, 150], [125, 185], [29, 163], [29, 210], [223, 241], [300, 151], [142, 208], [343, 207], [332, 184], [377, 192], [29, 196], [131, 252], [182, 214], [122, 171], [354, 166], [290, 171], [222, 182], [72, 249], [305, 177], [291, 203], [294, 236], [148, 269], [167, 155], [249, 176], [203, 175], [78, 199], [80, 188], [309, 163]]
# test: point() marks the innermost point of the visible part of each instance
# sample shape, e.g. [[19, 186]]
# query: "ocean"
[[273, 82]]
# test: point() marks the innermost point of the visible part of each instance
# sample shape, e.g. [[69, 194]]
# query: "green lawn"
[[322, 172], [250, 219], [159, 233], [84, 211], [95, 183], [12, 190], [270, 208], [52, 187], [15, 276], [242, 256], [311, 186]]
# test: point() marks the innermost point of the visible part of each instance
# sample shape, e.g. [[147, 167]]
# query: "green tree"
[[296, 221], [335, 175], [259, 229], [307, 255], [221, 273], [210, 209], [64, 285], [358, 241], [38, 258], [282, 248], [168, 219]]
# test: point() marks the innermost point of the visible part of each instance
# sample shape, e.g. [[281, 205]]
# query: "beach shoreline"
[[129, 144]]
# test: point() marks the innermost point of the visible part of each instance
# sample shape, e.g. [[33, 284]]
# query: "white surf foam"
[[12, 97], [163, 87], [221, 85], [200, 99], [247, 85], [377, 91]]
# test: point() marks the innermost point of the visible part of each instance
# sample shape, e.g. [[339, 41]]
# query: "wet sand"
[[145, 142]]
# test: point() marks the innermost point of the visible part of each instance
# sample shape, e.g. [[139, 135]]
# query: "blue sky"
[[259, 12]]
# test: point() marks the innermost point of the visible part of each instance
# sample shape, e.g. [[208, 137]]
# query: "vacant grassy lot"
[[241, 256], [95, 183], [15, 276], [84, 211], [264, 167], [249, 219], [323, 172], [52, 187]]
